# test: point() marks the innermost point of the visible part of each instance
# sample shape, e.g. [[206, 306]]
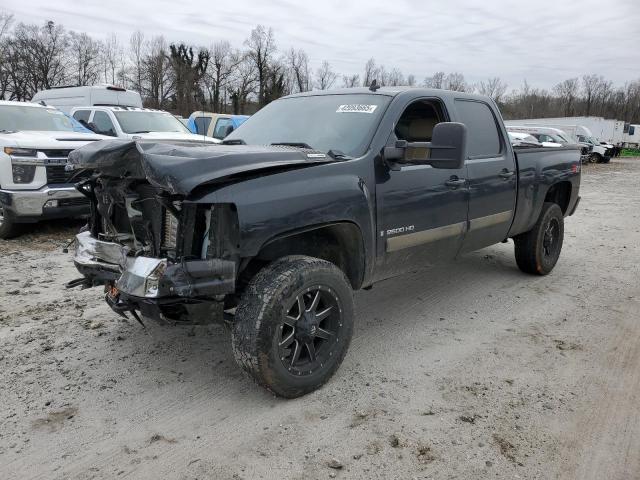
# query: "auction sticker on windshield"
[[356, 108]]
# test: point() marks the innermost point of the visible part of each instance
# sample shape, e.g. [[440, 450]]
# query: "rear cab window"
[[483, 136]]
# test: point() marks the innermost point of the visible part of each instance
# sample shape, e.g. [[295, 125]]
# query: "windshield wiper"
[[234, 141], [141, 131], [7, 131], [294, 144]]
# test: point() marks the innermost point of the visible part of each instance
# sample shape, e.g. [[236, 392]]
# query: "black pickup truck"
[[315, 196]]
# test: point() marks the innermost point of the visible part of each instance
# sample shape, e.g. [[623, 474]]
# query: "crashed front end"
[[155, 253], [156, 249], [164, 289]]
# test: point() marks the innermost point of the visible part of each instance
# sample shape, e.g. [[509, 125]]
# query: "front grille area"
[[56, 153], [57, 174]]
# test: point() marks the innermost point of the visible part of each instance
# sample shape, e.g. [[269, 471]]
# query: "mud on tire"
[[293, 325], [537, 251]]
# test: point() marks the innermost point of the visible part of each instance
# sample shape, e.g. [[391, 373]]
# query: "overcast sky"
[[544, 41]]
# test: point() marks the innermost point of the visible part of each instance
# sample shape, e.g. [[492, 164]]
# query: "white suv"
[[135, 123], [34, 144]]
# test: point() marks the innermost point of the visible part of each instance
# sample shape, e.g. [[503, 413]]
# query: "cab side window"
[[222, 128], [103, 124], [483, 138], [82, 116], [417, 123]]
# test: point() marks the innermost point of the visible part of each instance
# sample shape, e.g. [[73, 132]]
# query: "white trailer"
[[603, 130], [632, 137]]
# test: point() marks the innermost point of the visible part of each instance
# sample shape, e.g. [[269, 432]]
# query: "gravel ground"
[[471, 370]]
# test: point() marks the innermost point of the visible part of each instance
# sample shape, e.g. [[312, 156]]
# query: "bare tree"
[[158, 73], [494, 88], [395, 78], [567, 92], [351, 81], [261, 47], [5, 25], [298, 64], [325, 77], [136, 54], [111, 51], [411, 80], [224, 59], [36, 58], [435, 81], [85, 58], [455, 81], [242, 85], [371, 72]]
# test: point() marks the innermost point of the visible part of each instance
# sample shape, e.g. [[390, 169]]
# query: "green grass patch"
[[630, 152]]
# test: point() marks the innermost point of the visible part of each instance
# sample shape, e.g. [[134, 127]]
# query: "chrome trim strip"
[[425, 236], [490, 220]]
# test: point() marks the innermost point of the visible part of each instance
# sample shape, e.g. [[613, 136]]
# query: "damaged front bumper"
[[150, 284]]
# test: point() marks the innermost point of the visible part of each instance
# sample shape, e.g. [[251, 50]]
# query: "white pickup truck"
[[34, 144], [136, 123]]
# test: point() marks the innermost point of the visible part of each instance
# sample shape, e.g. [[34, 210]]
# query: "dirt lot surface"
[[471, 370]]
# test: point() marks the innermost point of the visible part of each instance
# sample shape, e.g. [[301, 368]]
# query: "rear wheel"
[[293, 325], [537, 251], [8, 228]]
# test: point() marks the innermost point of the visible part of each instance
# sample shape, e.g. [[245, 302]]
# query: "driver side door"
[[421, 210]]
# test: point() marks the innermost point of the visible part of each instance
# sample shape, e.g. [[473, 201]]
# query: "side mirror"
[[447, 148]]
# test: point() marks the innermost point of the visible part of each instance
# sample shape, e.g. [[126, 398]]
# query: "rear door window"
[[483, 136]]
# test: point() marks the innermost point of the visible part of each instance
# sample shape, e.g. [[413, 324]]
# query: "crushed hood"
[[179, 168]]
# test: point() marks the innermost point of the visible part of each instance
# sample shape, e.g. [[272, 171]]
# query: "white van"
[[66, 98]]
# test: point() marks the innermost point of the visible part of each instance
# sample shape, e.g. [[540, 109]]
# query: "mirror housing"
[[447, 148]]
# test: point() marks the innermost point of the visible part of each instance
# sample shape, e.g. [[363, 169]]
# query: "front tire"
[[293, 325], [594, 158], [8, 228], [537, 251]]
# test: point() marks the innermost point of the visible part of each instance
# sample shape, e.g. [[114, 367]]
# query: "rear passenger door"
[[491, 174]]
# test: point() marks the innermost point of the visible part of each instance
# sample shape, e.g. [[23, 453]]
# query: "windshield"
[[342, 123], [144, 122], [14, 118]]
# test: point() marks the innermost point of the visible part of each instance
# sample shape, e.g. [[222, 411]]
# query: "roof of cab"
[[393, 92]]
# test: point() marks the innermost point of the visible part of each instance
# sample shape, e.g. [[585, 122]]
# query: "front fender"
[[275, 205]]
